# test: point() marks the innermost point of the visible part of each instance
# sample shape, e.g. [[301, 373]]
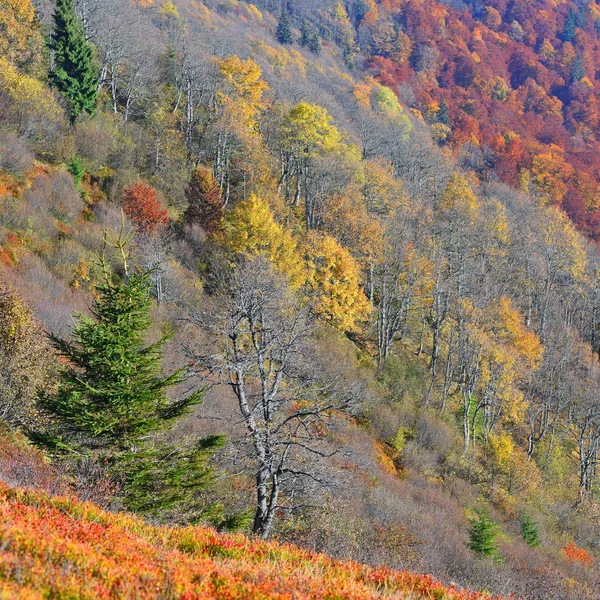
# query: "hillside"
[[511, 86], [322, 273], [57, 547]]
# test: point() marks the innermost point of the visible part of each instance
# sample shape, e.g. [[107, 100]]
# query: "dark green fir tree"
[[74, 73], [111, 402], [569, 30], [529, 532], [304, 39], [284, 29], [314, 44], [482, 534], [444, 112], [578, 69]]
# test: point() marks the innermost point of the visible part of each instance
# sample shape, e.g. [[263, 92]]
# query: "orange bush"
[[576, 554]]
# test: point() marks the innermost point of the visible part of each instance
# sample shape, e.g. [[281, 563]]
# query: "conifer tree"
[[568, 33], [284, 29], [578, 70], [444, 112], [111, 391], [482, 534], [111, 399], [304, 39], [314, 44], [74, 73], [529, 532]]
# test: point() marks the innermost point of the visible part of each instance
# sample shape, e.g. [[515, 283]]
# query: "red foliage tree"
[[143, 207]]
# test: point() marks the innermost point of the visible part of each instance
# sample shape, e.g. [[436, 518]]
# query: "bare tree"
[[262, 348]]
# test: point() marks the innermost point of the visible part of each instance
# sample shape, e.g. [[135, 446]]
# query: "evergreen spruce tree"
[[74, 73], [581, 17], [482, 534], [111, 401], [529, 532], [304, 39], [314, 44], [578, 69], [568, 33], [444, 112], [284, 29]]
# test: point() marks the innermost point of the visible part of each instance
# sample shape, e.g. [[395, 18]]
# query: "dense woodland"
[[320, 272]]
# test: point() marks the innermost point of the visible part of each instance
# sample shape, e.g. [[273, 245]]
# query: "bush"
[[15, 157], [23, 466], [92, 143], [55, 195]]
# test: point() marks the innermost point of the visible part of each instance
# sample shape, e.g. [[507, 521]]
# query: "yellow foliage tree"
[[30, 103], [250, 228], [334, 282], [460, 198], [381, 191], [551, 173], [20, 42], [245, 86], [25, 360], [307, 129], [501, 352]]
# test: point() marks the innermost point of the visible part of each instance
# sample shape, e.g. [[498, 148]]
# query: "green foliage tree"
[[284, 29], [74, 73], [482, 534], [529, 532], [111, 399]]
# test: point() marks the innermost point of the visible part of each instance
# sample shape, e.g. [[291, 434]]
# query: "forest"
[[311, 273]]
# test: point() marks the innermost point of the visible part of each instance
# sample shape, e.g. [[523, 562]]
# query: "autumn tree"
[[334, 282], [74, 73], [237, 150], [250, 230], [21, 42], [142, 206], [30, 107], [402, 281], [25, 361], [306, 133]]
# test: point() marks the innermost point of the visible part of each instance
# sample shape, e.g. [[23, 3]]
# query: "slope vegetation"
[[57, 547]]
